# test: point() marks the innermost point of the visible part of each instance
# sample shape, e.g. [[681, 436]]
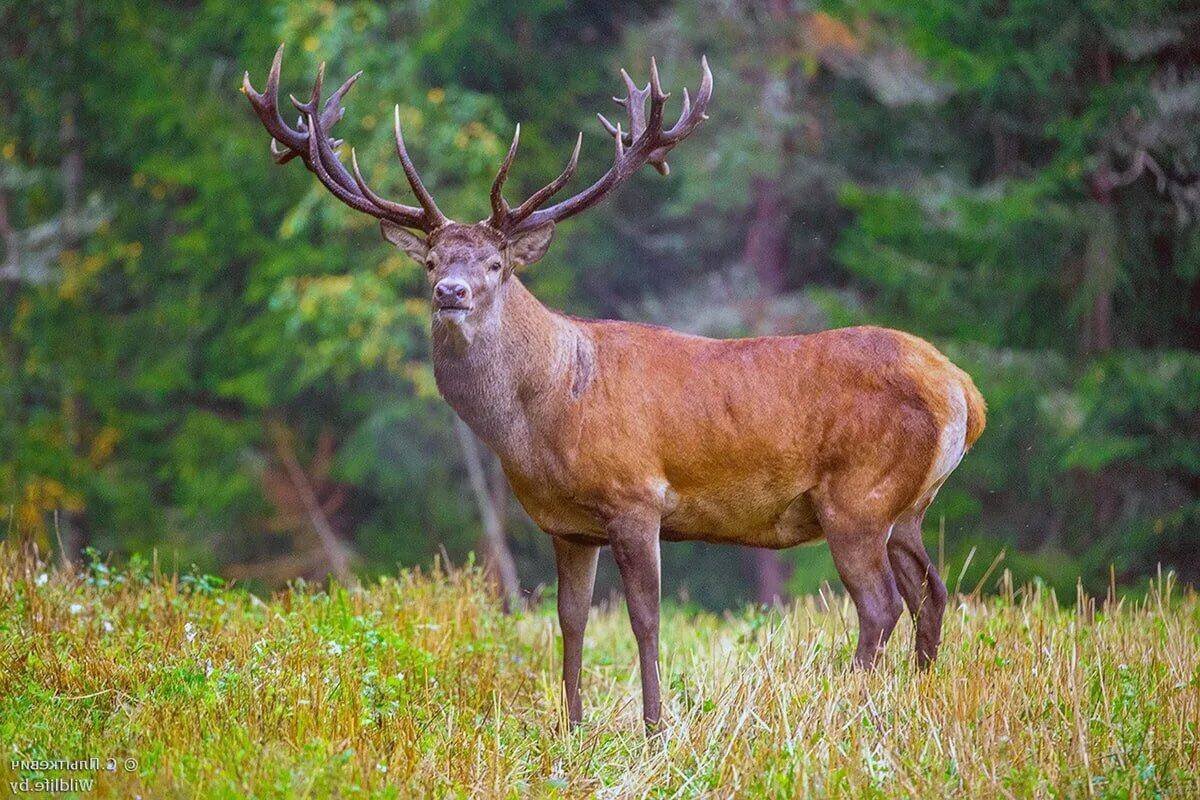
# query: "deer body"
[[727, 440], [621, 435]]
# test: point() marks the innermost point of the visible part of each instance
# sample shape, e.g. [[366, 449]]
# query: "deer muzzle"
[[452, 294]]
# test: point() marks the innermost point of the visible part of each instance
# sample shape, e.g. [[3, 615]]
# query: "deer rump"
[[740, 441]]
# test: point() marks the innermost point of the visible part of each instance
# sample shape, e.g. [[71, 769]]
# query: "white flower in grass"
[[108, 626], [75, 608], [189, 632], [41, 579], [334, 649]]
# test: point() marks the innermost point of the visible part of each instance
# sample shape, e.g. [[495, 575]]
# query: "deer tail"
[[976, 410]]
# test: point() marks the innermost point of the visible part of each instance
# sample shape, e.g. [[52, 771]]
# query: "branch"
[[12, 262], [499, 558], [335, 551]]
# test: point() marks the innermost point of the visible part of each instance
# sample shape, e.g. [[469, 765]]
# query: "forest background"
[[205, 356]]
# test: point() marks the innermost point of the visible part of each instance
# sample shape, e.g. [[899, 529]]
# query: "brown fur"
[[721, 437]]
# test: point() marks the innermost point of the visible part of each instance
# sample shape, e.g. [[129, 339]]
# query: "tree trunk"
[[765, 250], [337, 554], [1099, 258], [491, 502], [11, 271], [71, 525], [1099, 280], [770, 577]]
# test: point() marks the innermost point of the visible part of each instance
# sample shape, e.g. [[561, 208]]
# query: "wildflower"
[[335, 649], [75, 608], [41, 579], [189, 631]]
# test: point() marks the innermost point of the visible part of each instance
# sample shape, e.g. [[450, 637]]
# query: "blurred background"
[[206, 355]]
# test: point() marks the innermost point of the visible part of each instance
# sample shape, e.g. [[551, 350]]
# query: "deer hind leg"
[[919, 583], [576, 576], [860, 554]]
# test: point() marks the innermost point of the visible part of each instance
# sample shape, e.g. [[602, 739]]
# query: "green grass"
[[419, 686]]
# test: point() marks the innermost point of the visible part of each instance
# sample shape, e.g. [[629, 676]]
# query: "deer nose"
[[451, 292]]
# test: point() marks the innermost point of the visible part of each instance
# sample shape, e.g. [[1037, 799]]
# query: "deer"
[[626, 435]]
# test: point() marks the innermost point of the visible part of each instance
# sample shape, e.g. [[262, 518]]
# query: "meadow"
[[418, 685]]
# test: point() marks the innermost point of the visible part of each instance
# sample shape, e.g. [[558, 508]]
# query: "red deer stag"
[[621, 434]]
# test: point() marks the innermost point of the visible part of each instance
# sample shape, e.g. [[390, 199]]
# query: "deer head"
[[469, 263]]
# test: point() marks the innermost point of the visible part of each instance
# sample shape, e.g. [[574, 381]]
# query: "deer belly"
[[556, 512], [751, 517], [750, 512]]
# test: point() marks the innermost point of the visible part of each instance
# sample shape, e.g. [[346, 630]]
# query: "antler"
[[310, 141], [644, 142]]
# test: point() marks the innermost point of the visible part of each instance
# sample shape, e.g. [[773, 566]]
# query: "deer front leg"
[[576, 577], [635, 548]]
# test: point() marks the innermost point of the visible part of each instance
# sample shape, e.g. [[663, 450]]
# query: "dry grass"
[[418, 686]]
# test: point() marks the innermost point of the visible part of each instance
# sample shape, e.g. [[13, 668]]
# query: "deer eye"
[[493, 265]]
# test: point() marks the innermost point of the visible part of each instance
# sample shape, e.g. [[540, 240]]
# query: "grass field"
[[419, 686]]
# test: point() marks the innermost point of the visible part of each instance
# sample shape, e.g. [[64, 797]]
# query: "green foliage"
[[223, 291], [946, 168]]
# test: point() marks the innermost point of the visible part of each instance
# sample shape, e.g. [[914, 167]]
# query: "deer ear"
[[528, 247], [405, 239]]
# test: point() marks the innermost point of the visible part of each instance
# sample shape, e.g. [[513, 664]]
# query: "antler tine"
[[334, 110], [658, 99], [320, 154], [317, 163], [433, 214], [687, 104], [612, 129], [550, 189], [405, 215], [630, 86], [635, 106], [315, 126], [310, 141], [287, 142], [281, 154], [499, 206], [645, 143], [330, 116], [692, 116], [365, 200], [655, 83], [641, 124]]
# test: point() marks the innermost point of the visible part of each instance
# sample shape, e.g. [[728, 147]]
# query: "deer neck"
[[507, 372]]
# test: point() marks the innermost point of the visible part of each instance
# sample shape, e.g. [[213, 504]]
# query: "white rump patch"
[[952, 440]]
